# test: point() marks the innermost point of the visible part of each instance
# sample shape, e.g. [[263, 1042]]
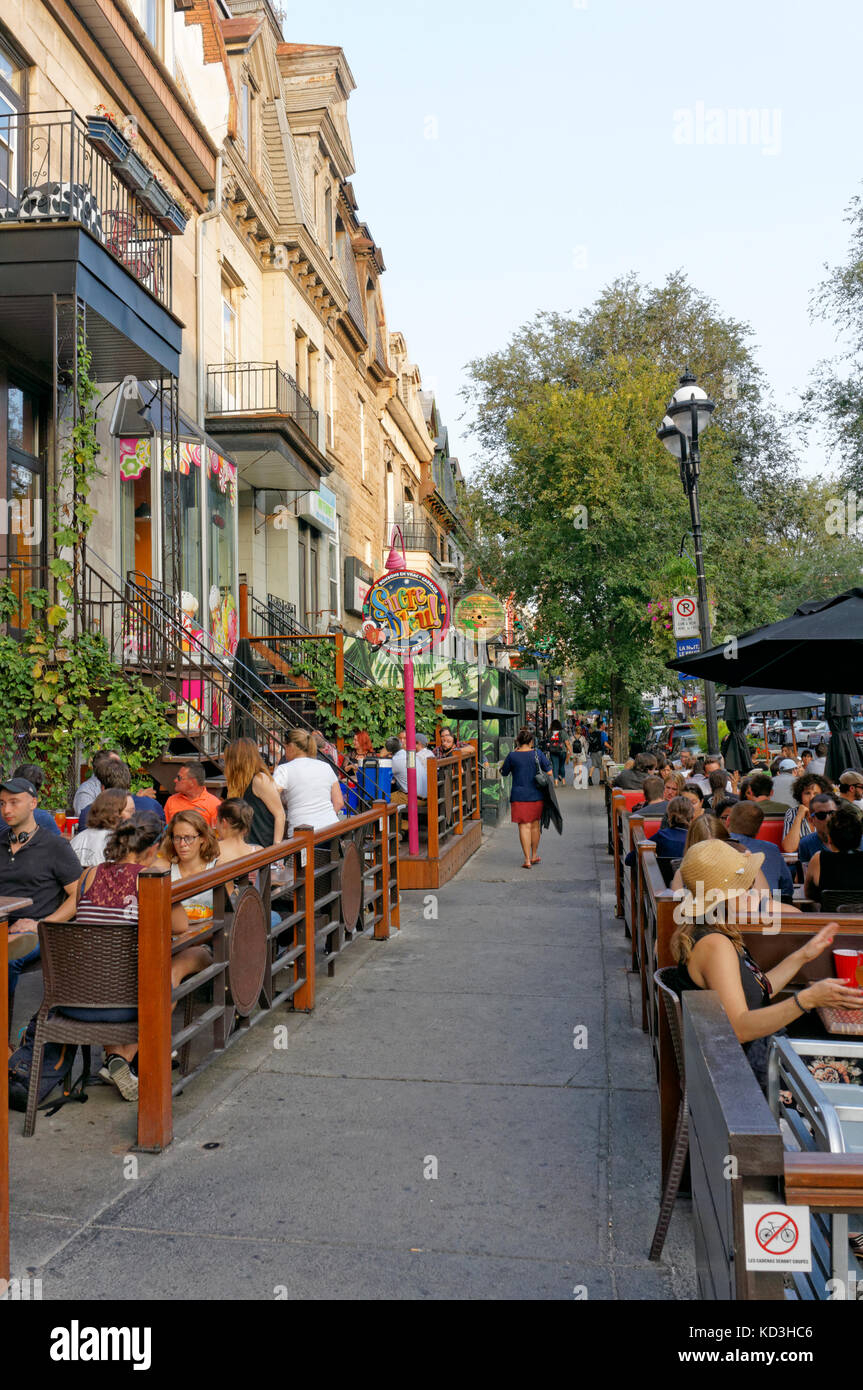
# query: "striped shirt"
[[111, 895]]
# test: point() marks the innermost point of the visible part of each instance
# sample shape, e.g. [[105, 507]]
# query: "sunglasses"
[[821, 815]]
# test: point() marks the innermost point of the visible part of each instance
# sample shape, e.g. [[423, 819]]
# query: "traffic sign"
[[687, 646], [777, 1237], [684, 616]]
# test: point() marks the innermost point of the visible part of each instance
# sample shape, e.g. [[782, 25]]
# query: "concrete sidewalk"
[[429, 1132]]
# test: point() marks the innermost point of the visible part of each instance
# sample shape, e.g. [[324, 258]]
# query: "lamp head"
[[681, 411]]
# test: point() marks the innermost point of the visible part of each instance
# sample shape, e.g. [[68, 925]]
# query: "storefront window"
[[189, 501]]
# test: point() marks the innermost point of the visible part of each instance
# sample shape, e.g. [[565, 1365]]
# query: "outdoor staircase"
[[214, 699]]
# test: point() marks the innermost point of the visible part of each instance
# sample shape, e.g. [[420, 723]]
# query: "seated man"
[[819, 762], [399, 794], [32, 773], [33, 864], [744, 822], [632, 780], [190, 794], [821, 808], [760, 788], [118, 774], [654, 803], [89, 790], [851, 788]]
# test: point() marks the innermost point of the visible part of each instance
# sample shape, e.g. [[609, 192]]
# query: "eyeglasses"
[[821, 815], [185, 839]]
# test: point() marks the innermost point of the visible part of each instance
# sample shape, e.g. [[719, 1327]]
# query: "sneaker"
[[118, 1071]]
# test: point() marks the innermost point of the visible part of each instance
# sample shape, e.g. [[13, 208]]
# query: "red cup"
[[845, 962]]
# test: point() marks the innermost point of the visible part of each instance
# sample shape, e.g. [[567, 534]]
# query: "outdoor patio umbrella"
[[467, 709], [824, 637], [735, 749], [764, 702], [245, 686], [842, 752]]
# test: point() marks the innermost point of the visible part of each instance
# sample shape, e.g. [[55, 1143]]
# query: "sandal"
[[536, 861]]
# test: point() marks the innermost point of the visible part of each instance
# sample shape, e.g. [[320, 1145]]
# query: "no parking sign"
[[684, 616]]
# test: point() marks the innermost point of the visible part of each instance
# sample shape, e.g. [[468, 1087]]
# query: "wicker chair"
[[666, 979], [85, 966]]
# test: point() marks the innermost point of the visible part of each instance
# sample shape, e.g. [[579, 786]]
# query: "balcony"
[[50, 173], [419, 535], [72, 233], [263, 419]]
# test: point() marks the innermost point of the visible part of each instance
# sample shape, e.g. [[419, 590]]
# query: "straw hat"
[[712, 872]]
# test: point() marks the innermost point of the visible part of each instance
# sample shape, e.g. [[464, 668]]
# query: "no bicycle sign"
[[777, 1237]]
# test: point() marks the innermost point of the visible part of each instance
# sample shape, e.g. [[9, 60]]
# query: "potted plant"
[[156, 198], [105, 134], [175, 219], [132, 171]]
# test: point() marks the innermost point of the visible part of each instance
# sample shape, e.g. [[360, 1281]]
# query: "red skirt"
[[525, 812]]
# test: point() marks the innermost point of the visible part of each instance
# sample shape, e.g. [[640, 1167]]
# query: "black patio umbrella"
[[458, 708], [735, 749], [842, 752], [824, 636], [244, 688]]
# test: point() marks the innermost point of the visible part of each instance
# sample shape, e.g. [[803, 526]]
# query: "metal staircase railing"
[[216, 699], [277, 618]]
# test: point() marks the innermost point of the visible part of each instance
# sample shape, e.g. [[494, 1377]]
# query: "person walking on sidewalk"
[[526, 799], [579, 761]]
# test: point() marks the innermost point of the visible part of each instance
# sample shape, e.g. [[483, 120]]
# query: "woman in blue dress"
[[525, 797]]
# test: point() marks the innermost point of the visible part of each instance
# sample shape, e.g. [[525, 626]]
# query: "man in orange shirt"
[[190, 794]]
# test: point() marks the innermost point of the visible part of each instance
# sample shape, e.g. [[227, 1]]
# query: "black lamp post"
[[689, 413]]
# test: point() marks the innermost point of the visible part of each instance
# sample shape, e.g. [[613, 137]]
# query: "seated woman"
[[310, 789], [190, 847], [842, 869], [107, 892], [674, 784], [106, 812], [362, 748], [670, 838], [710, 954], [233, 827]]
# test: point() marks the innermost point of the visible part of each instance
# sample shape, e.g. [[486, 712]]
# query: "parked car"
[[808, 732], [857, 727], [689, 740]]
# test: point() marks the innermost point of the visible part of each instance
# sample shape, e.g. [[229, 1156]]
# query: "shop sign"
[[479, 615], [319, 508], [405, 613]]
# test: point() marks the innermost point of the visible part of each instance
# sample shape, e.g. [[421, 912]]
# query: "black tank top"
[[841, 871], [756, 986], [263, 826]]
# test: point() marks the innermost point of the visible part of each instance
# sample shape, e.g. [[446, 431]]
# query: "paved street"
[[448, 1049]]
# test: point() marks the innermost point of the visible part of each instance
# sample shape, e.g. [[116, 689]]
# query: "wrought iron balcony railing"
[[418, 535], [51, 173], [259, 388]]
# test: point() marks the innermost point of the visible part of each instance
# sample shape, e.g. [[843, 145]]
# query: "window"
[[328, 215], [245, 124], [362, 439], [333, 574], [11, 104], [312, 376], [328, 401], [230, 327], [148, 14]]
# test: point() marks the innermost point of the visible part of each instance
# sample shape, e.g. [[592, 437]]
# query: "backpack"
[[594, 742], [58, 1060]]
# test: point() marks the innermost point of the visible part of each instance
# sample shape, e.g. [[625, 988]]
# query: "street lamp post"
[[688, 416]]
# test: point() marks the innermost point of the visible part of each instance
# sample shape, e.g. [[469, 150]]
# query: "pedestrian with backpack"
[[557, 749], [579, 762], [596, 741]]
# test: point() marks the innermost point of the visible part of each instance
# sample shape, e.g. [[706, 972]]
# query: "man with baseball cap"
[[851, 787], [33, 864]]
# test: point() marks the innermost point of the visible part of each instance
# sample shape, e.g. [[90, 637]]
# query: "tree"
[[835, 397], [579, 510]]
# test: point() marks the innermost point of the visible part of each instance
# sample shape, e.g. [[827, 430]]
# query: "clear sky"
[[513, 157]]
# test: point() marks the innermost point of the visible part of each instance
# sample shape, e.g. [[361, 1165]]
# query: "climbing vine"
[[57, 691], [378, 710], [78, 471]]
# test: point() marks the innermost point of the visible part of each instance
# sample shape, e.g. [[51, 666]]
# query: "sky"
[[513, 158]]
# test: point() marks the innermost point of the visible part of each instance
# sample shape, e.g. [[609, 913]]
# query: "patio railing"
[[259, 388]]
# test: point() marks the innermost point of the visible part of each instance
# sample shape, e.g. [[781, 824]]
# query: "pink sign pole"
[[411, 750]]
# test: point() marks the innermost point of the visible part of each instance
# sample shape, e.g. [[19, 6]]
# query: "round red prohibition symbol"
[[686, 607], [777, 1233]]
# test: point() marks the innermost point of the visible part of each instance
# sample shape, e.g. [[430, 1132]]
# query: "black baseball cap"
[[17, 785]]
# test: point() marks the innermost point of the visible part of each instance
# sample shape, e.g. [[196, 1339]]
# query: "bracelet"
[[802, 1007]]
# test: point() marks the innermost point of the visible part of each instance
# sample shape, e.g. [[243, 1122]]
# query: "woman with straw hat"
[[708, 946]]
